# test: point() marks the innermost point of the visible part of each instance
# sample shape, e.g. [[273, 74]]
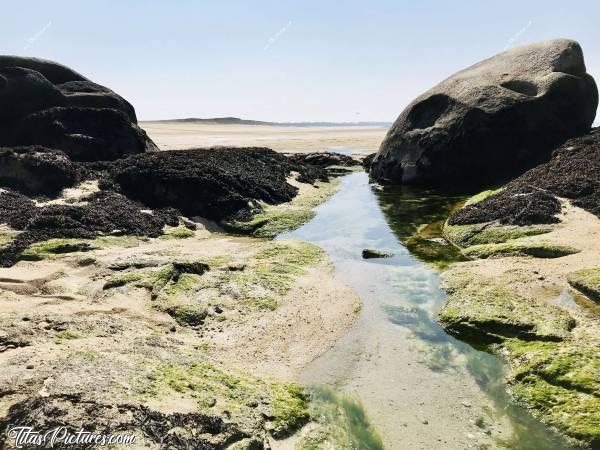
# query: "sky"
[[282, 60]]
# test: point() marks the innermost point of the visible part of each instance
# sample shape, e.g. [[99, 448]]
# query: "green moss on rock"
[[216, 389], [587, 281], [66, 335], [340, 421], [276, 219], [54, 247], [290, 408], [180, 232], [490, 233], [519, 248], [483, 310], [482, 196], [192, 315], [560, 382], [123, 279]]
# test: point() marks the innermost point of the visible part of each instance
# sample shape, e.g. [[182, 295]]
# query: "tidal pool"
[[397, 380]]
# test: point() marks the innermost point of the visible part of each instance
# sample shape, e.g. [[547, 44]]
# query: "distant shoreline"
[[238, 121]]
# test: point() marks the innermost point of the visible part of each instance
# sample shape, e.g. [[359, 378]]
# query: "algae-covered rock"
[[192, 315], [485, 310], [560, 383], [371, 253], [534, 249], [587, 281], [275, 219], [552, 352], [490, 233]]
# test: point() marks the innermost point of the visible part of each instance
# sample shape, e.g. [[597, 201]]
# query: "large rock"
[[45, 103], [215, 183], [35, 170], [491, 120]]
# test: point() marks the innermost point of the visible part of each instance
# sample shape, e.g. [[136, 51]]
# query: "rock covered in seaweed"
[[491, 120], [35, 170], [104, 213], [45, 103], [573, 173], [215, 183], [325, 159]]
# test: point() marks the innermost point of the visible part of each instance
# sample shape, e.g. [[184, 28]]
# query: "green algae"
[[561, 385], [554, 372], [258, 282], [290, 408], [271, 272], [482, 196], [277, 219], [261, 303], [533, 249], [192, 315], [416, 217], [341, 422], [180, 232], [485, 310], [216, 389], [66, 335], [122, 280], [490, 233], [587, 281], [55, 247], [7, 237]]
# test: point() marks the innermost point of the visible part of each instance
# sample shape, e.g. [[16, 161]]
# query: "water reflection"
[[402, 293]]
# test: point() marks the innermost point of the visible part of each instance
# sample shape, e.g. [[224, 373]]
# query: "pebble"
[[29, 366], [173, 329]]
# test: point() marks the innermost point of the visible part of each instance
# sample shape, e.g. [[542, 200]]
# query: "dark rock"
[[54, 72], [367, 161], [106, 213], [573, 172], [519, 205], [35, 170], [491, 120], [369, 253], [87, 94], [193, 267], [214, 183], [151, 428], [85, 134], [324, 159], [45, 103]]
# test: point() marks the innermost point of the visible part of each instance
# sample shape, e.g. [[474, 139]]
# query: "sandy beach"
[[342, 139]]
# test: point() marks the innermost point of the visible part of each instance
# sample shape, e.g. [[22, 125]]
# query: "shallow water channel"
[[397, 379]]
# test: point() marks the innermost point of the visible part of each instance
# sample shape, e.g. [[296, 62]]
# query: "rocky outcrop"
[[491, 120], [573, 172], [35, 170], [45, 103], [216, 183], [325, 159], [103, 213]]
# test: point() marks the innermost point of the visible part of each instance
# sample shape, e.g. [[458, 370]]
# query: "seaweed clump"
[[573, 172], [214, 183], [104, 213]]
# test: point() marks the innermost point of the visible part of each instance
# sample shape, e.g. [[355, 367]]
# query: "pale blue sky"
[[282, 60]]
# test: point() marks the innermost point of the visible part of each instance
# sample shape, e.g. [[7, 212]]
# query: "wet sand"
[[178, 135]]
